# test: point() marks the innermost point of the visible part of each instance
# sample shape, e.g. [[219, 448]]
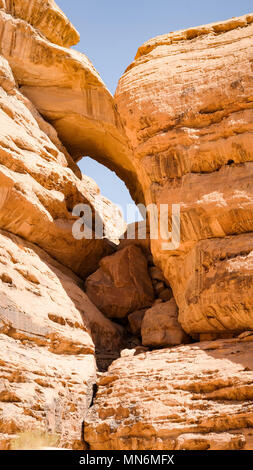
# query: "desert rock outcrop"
[[186, 104], [39, 190], [192, 397], [49, 329], [121, 284], [179, 131], [160, 327], [47, 352], [68, 91], [46, 17]]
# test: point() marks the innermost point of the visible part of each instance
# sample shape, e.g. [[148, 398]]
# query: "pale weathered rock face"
[[49, 328], [68, 91], [45, 16], [186, 103], [191, 397], [38, 191], [121, 284], [179, 132], [47, 353], [217, 286], [47, 293], [42, 390], [160, 326]]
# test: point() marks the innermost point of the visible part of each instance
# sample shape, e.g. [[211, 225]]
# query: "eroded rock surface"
[[186, 104], [121, 284], [49, 329], [196, 397], [38, 188], [178, 131], [68, 91], [46, 17], [160, 326], [47, 352]]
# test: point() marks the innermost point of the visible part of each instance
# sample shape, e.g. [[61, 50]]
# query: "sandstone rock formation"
[[137, 233], [186, 104], [45, 16], [47, 364], [67, 91], [193, 397], [49, 329], [38, 190], [160, 327], [179, 131], [135, 321], [121, 284]]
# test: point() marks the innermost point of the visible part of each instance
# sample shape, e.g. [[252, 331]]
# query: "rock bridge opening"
[[111, 187]]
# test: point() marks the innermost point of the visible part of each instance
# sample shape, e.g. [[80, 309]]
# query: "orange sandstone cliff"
[[112, 345]]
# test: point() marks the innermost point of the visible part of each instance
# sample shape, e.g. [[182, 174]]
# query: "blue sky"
[[111, 32]]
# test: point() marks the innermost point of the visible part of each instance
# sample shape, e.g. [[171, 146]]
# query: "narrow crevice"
[[94, 393]]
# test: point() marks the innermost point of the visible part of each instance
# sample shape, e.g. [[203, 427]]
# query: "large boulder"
[[186, 102], [135, 321], [192, 397], [122, 284], [160, 326]]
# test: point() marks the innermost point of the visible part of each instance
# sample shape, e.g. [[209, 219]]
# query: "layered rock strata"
[[48, 328], [178, 132], [45, 16], [39, 190], [67, 90], [186, 104], [193, 397]]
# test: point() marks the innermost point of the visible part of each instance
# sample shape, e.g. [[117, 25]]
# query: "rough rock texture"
[[137, 233], [160, 327], [47, 364], [191, 397], [217, 276], [121, 284], [68, 91], [135, 321], [179, 131], [49, 329], [186, 104], [37, 188], [45, 16], [47, 293]]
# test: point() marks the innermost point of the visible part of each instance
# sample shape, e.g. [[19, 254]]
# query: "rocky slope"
[[48, 328]]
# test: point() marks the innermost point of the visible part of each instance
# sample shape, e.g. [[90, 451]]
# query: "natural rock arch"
[[68, 91], [168, 140]]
